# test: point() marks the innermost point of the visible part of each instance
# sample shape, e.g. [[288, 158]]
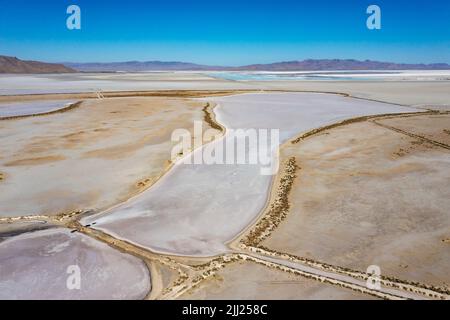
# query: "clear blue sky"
[[225, 32]]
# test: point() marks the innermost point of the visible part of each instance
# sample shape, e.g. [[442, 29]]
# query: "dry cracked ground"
[[371, 191]]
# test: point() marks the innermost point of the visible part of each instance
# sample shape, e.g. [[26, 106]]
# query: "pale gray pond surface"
[[35, 266], [15, 84], [196, 209], [31, 107]]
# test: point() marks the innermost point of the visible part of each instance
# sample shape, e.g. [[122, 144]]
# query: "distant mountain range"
[[136, 66], [340, 64], [14, 65], [305, 65]]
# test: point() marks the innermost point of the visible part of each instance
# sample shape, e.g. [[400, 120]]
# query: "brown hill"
[[14, 65]]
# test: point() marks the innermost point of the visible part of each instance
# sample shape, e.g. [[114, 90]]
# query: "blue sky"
[[227, 32]]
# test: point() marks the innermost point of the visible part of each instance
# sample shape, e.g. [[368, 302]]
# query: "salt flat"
[[92, 157], [248, 280], [92, 82], [102, 154], [197, 209], [369, 195], [35, 265], [420, 93], [403, 87], [35, 107]]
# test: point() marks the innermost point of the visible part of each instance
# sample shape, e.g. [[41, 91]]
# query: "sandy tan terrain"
[[92, 157], [434, 127], [248, 280], [368, 195]]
